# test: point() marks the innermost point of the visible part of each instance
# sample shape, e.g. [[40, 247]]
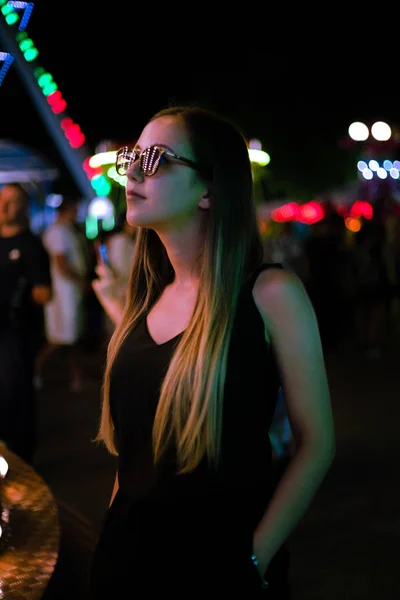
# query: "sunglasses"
[[149, 159]]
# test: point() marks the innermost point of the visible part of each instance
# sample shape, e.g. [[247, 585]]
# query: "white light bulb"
[[358, 131], [381, 131]]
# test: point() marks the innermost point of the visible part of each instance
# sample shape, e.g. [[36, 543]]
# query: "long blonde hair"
[[189, 412]]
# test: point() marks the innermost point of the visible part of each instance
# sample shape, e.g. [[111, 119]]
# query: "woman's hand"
[[109, 293], [260, 561], [105, 286]]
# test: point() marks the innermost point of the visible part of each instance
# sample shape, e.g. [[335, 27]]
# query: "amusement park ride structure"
[[94, 174], [18, 49]]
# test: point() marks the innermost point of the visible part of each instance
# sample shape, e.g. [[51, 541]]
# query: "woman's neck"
[[184, 249]]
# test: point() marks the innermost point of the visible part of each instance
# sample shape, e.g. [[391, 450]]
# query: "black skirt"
[[187, 549]]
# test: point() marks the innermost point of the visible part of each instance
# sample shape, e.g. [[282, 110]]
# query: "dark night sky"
[[296, 101]]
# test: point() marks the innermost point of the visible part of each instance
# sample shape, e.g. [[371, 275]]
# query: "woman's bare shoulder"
[[278, 290]]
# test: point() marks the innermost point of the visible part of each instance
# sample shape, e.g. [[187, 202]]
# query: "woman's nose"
[[134, 172]]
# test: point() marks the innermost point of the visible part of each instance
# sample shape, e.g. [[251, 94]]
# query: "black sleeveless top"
[[251, 388]]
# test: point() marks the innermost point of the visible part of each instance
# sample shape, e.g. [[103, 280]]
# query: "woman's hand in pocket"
[[261, 564]]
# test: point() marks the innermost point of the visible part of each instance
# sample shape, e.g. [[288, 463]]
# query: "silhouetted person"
[[25, 288]]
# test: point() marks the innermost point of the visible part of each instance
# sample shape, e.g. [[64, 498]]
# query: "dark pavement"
[[347, 546]]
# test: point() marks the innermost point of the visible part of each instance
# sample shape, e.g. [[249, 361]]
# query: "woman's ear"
[[205, 200]]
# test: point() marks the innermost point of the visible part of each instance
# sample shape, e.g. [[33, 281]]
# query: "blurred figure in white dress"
[[64, 315]]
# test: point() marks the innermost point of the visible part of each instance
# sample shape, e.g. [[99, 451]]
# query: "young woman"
[[206, 338]]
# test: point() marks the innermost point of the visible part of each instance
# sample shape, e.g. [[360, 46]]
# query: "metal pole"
[[73, 157]]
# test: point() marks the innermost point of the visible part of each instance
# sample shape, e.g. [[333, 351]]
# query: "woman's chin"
[[134, 219]]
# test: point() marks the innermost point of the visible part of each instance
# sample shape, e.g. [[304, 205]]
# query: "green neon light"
[[45, 79], [31, 54], [38, 72], [27, 47], [121, 179], [50, 89], [26, 44], [12, 18], [108, 223], [9, 13], [91, 227], [7, 10], [112, 173], [101, 185]]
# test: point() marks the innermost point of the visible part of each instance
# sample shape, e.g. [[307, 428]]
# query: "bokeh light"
[[358, 131], [381, 131], [367, 174], [352, 224]]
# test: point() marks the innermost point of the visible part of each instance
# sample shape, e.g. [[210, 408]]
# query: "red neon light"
[[287, 212], [362, 208], [73, 133], [57, 102], [310, 213], [91, 171]]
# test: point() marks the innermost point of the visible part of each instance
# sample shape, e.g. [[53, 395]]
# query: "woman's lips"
[[135, 196]]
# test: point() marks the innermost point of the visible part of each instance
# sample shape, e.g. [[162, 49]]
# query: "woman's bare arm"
[[292, 328]]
